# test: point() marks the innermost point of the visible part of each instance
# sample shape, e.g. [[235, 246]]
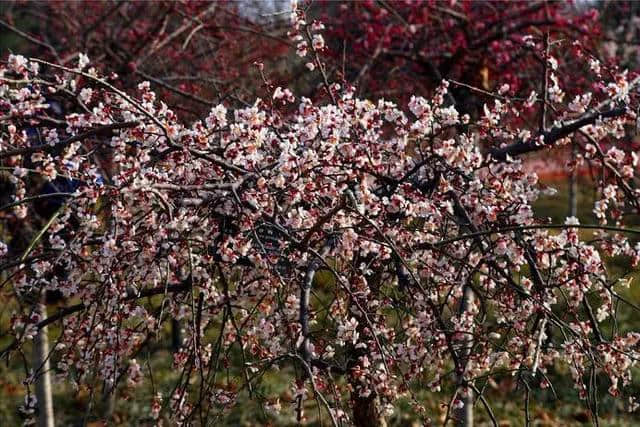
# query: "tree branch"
[[101, 130], [509, 229], [553, 135]]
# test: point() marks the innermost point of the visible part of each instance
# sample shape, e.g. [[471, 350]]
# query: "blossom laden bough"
[[236, 224]]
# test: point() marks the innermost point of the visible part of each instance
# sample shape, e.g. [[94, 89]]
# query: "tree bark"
[[573, 184], [366, 411], [108, 402], [464, 414], [176, 335], [43, 381]]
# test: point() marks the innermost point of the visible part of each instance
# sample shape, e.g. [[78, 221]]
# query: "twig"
[[177, 33], [174, 89], [536, 357], [485, 404], [32, 198], [545, 86], [320, 65], [100, 130], [114, 89], [553, 135], [305, 295], [29, 38], [315, 389], [522, 228], [60, 314]]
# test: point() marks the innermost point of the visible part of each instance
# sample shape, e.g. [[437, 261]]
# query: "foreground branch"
[[553, 135]]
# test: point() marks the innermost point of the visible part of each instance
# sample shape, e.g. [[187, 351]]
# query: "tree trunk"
[[366, 411], [573, 185], [176, 335], [108, 402], [43, 381], [464, 414]]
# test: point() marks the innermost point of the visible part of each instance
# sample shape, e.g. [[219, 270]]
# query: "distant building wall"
[[265, 11]]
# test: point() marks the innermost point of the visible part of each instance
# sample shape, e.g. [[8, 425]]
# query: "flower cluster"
[[416, 222]]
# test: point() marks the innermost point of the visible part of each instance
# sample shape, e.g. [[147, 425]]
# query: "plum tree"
[[363, 251]]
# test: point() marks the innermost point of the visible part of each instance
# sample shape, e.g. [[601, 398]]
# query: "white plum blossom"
[[217, 117], [555, 93], [83, 61], [317, 42], [85, 95], [580, 103]]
